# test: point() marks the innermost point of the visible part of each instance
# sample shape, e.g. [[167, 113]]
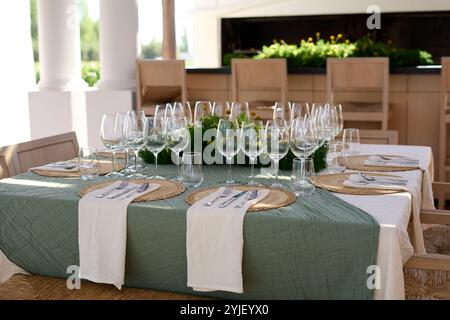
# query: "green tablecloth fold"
[[317, 248]]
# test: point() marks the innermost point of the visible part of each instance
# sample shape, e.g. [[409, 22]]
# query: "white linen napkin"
[[394, 162], [63, 166], [356, 181], [214, 243], [102, 234]]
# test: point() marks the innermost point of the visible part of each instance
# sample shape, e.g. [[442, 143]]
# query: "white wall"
[[207, 15], [16, 71]]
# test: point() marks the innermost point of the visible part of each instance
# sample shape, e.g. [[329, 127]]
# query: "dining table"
[[289, 252]]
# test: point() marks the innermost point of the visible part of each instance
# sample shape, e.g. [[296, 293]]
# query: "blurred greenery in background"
[[314, 52]]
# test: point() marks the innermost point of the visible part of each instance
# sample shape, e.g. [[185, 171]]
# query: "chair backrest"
[[359, 84], [259, 80], [445, 83], [20, 157], [160, 81]]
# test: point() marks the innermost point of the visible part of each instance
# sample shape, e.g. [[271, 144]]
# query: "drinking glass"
[[251, 141], [202, 109], [182, 109], [178, 138], [220, 109], [238, 109], [155, 139], [192, 174], [340, 117], [350, 142], [297, 109], [303, 139], [111, 133], [227, 138], [88, 163], [134, 133], [333, 155], [163, 111], [280, 112], [302, 177], [276, 144]]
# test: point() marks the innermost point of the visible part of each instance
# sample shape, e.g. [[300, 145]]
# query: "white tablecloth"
[[392, 212]]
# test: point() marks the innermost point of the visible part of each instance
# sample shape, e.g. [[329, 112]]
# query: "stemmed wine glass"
[[156, 138], [227, 142], [202, 109], [251, 141], [298, 109], [178, 138], [276, 144], [280, 112], [238, 109], [133, 135], [111, 133], [182, 109], [303, 139], [220, 109]]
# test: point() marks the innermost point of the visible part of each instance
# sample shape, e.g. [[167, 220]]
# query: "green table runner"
[[317, 248]]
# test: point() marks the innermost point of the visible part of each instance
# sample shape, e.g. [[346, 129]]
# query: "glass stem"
[[229, 169], [156, 164], [113, 160], [178, 165], [276, 170], [252, 161], [135, 160]]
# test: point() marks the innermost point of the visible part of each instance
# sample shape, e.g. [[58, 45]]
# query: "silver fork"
[[122, 185], [373, 179], [224, 194]]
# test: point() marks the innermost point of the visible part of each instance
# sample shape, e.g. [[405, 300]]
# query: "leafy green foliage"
[[211, 122], [310, 53]]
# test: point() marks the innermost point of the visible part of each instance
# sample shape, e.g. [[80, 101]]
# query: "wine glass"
[[276, 144], [183, 109], [298, 109], [178, 138], [227, 142], [303, 139], [251, 141], [238, 110], [202, 109], [155, 138], [220, 109], [340, 117], [134, 132], [163, 111], [280, 112], [111, 133]]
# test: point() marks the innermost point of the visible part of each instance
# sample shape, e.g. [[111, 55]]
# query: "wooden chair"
[[20, 157], [377, 136], [361, 85], [428, 276], [159, 82], [444, 164], [259, 82]]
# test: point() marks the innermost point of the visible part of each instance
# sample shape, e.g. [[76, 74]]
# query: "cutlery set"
[[367, 179], [125, 192], [249, 195]]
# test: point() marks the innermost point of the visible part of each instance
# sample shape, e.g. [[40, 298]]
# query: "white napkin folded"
[[102, 234], [214, 243], [392, 162], [63, 166], [356, 181]]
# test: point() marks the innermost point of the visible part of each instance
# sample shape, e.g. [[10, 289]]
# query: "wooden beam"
[[429, 261], [441, 187], [435, 216], [169, 44]]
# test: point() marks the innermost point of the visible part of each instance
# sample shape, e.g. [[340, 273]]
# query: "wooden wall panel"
[[398, 102]]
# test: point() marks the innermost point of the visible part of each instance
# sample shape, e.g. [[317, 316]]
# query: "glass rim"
[[351, 129], [304, 159]]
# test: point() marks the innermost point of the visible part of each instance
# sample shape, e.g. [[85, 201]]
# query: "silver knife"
[[232, 199]]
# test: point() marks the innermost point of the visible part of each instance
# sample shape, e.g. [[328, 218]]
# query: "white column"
[[59, 45], [118, 44]]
